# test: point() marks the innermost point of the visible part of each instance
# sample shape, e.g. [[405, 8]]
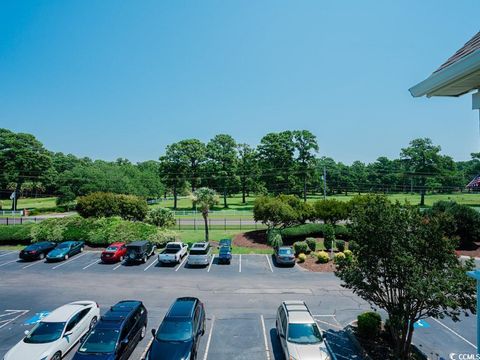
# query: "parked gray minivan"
[[200, 254]]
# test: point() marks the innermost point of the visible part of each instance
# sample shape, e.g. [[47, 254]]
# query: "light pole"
[[476, 275]]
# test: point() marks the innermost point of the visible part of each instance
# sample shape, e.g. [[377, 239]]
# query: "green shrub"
[[276, 240], [348, 254], [353, 245], [15, 234], [330, 210], [99, 204], [272, 237], [312, 243], [369, 324], [161, 217], [302, 257], [339, 257], [313, 229], [328, 236], [99, 232], [300, 247], [323, 257], [340, 244]]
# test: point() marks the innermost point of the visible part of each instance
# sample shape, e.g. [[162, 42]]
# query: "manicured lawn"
[[29, 203]]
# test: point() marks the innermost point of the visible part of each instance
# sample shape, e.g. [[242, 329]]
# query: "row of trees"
[[283, 162]]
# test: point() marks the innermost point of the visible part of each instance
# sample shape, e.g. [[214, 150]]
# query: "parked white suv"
[[299, 334], [200, 254], [57, 333]]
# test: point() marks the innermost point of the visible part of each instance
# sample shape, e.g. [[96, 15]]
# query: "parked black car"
[[116, 334], [178, 336], [37, 251], [139, 251]]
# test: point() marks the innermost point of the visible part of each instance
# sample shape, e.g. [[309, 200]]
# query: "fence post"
[[7, 220]]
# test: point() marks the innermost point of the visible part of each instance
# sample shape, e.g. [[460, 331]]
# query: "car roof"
[[297, 312], [116, 315], [65, 312], [285, 247], [182, 308], [200, 245]]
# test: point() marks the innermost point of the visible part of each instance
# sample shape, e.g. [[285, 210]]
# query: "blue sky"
[[109, 79]]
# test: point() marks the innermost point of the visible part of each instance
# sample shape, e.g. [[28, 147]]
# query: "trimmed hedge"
[[311, 230], [300, 247], [322, 257], [340, 244], [312, 243], [369, 324], [15, 234], [95, 232]]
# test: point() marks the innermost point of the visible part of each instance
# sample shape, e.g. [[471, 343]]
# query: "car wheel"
[[65, 257], [93, 322], [145, 258], [57, 356], [143, 331], [121, 258], [41, 256], [81, 249]]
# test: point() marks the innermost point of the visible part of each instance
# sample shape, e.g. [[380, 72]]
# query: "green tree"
[[222, 152], [161, 217], [173, 170], [193, 153], [247, 169], [422, 160], [22, 158], [306, 146], [405, 265], [330, 211], [204, 199]]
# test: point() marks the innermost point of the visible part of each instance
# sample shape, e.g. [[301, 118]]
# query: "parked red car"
[[114, 253]]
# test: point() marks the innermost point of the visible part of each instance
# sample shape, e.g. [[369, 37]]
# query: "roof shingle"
[[470, 46]]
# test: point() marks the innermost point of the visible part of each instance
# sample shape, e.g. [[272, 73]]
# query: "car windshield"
[[285, 252], [63, 246], [100, 341], [304, 333], [45, 332], [175, 331], [112, 248], [33, 247]]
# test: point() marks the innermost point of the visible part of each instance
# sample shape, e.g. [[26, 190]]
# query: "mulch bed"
[[252, 239], [311, 264], [473, 251]]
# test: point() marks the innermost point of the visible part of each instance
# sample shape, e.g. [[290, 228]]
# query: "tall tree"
[[173, 170], [276, 155], [247, 169], [204, 199], [422, 160], [405, 265], [193, 152], [222, 152], [306, 146], [22, 158]]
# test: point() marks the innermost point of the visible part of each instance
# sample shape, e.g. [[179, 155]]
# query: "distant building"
[[474, 185]]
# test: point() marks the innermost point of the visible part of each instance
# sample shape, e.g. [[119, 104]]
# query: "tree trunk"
[[225, 205], [305, 188], [17, 193], [205, 220], [243, 193], [422, 192]]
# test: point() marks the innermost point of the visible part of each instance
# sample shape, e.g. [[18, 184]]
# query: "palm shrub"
[[161, 217]]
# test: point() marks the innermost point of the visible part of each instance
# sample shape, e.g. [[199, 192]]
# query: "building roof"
[[458, 75], [475, 183]]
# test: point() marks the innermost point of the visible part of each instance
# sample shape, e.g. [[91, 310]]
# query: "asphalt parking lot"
[[241, 300]]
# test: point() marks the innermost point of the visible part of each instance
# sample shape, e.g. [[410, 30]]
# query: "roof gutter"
[[463, 67]]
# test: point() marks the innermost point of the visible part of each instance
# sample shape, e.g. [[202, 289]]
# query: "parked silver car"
[[200, 254], [299, 334]]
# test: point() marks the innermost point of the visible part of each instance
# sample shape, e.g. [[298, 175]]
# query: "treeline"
[[286, 162]]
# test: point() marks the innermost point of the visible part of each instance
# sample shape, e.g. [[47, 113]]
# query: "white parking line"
[[267, 351], [155, 261], [209, 339], [69, 261], [93, 263], [116, 267], [180, 265], [34, 263], [211, 262], [8, 262], [454, 332], [240, 264], [269, 263], [4, 323], [9, 253], [142, 357]]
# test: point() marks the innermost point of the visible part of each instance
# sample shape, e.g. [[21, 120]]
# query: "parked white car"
[[299, 334], [200, 254], [173, 252], [57, 333]]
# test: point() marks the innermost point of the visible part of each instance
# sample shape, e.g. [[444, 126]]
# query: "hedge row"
[[95, 232], [313, 229]]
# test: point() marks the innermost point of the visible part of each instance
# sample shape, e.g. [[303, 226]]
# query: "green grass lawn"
[[31, 203]]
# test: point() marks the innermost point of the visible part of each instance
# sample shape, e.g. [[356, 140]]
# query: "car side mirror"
[[324, 336], [68, 333], [154, 332], [26, 332]]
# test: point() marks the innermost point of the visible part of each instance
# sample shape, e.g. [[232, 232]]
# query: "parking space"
[[256, 264]]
